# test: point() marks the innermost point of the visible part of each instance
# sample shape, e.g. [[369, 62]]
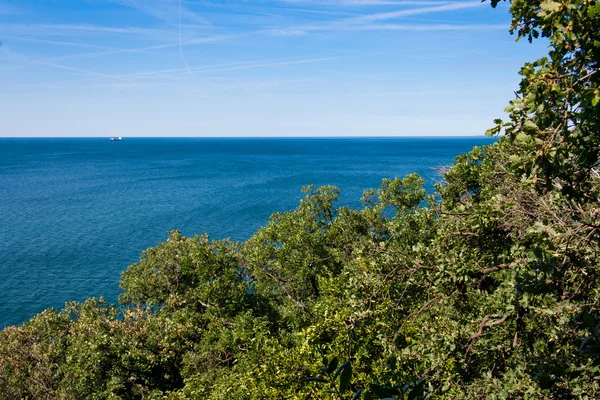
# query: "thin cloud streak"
[[209, 39], [84, 71], [304, 10], [165, 11], [369, 2], [429, 28], [282, 63], [242, 65], [70, 29], [233, 67], [369, 19], [180, 45], [107, 29], [413, 11], [280, 10], [243, 10], [165, 72], [6, 53], [61, 43], [170, 73]]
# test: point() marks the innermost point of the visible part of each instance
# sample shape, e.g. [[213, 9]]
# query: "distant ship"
[[116, 139]]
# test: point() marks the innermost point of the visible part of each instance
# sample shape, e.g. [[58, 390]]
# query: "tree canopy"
[[487, 288]]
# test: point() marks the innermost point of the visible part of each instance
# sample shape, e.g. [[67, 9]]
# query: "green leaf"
[[589, 321], [550, 6], [345, 378], [522, 137], [340, 369], [514, 159], [357, 394], [530, 126], [593, 10], [332, 365], [382, 391], [418, 391]]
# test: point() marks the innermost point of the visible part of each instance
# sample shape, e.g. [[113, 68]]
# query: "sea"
[[74, 213]]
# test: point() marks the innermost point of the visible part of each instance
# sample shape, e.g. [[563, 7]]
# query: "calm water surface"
[[74, 213]]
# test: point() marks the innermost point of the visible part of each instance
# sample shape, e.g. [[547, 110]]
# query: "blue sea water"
[[74, 213]]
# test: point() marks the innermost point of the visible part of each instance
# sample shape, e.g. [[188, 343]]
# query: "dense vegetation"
[[488, 288]]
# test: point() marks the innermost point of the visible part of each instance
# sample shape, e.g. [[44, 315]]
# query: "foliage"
[[338, 378], [488, 288], [555, 118]]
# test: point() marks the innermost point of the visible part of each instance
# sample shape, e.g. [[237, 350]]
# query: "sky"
[[235, 68]]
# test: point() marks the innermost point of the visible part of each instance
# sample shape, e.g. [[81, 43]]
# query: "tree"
[[555, 119]]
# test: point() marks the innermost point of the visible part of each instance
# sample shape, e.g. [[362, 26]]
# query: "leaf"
[[589, 321], [357, 394], [332, 365], [593, 10], [530, 126], [417, 391], [345, 378], [514, 159], [340, 368], [382, 391], [550, 6], [522, 137]]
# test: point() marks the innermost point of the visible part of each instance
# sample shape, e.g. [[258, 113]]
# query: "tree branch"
[[488, 324]]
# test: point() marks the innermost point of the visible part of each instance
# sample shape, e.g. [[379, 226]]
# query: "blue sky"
[[255, 68]]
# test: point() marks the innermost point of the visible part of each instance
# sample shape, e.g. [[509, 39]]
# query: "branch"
[[289, 296], [486, 324], [455, 213], [467, 234], [493, 269], [415, 315]]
